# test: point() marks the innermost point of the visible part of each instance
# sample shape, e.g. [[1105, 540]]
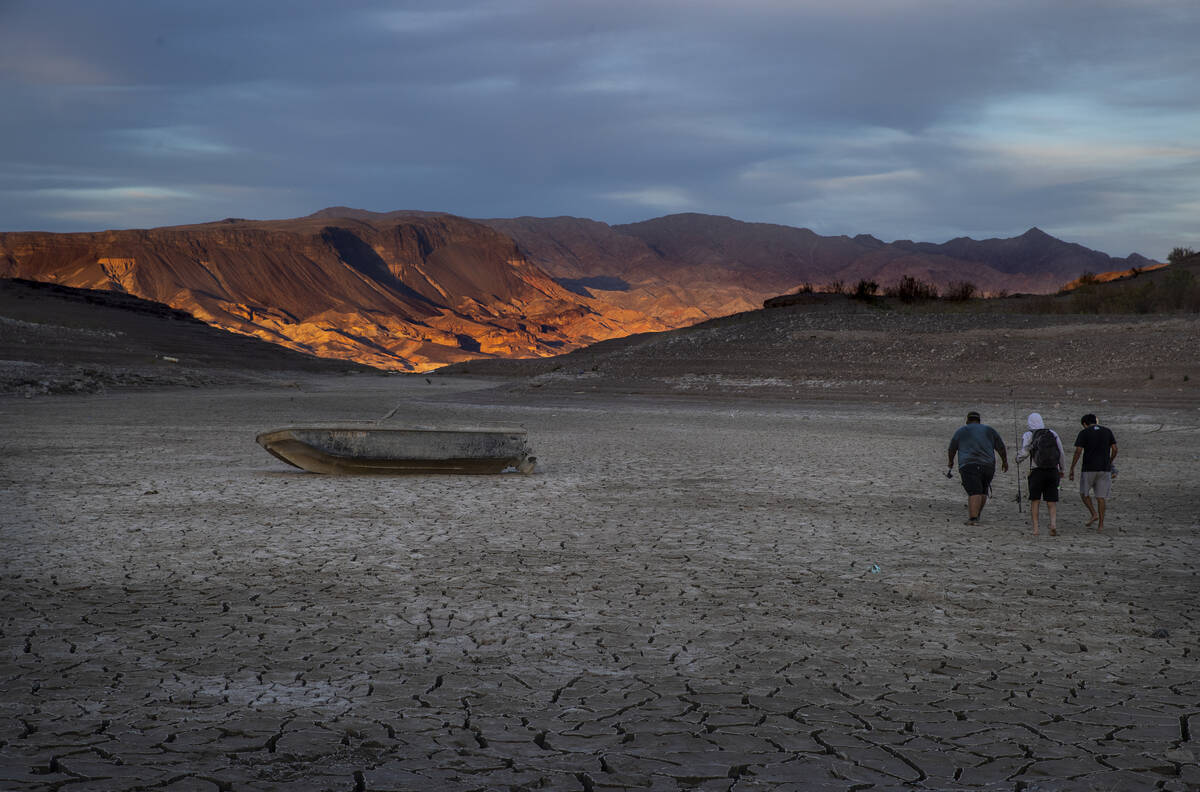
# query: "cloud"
[[169, 141], [926, 118], [662, 199], [115, 194]]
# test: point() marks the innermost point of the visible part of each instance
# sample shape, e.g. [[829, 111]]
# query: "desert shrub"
[[1182, 290], [837, 287], [1179, 254], [865, 289], [911, 289], [1045, 304], [1086, 299], [1180, 280], [1087, 279], [960, 291], [1137, 299]]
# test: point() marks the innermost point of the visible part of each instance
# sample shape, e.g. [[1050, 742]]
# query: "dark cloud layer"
[[922, 119]]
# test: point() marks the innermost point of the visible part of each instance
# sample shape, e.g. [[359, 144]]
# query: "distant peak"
[[340, 211], [367, 216], [343, 211], [690, 217], [1035, 233]]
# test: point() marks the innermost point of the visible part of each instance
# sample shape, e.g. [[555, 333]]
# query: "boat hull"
[[371, 449]]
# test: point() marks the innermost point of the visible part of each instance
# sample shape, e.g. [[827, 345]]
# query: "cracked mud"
[[703, 595]]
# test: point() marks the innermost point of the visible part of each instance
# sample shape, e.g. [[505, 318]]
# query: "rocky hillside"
[[405, 291], [719, 264], [412, 291], [834, 347], [57, 339]]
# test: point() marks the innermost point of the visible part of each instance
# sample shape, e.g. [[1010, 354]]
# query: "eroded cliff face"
[[399, 291], [412, 291], [596, 259]]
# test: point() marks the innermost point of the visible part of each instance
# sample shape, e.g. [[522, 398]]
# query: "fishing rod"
[[1016, 447]]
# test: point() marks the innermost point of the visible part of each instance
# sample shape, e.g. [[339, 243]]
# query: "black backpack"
[[1043, 449]]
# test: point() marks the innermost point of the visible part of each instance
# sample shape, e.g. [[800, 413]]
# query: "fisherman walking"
[[1099, 448], [976, 445], [1044, 449]]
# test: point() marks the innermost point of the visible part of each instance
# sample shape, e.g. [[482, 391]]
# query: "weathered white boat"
[[372, 448]]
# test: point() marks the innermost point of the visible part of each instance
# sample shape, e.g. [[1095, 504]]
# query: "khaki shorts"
[[1098, 480]]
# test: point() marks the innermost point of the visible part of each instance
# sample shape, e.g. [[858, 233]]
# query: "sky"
[[904, 119]]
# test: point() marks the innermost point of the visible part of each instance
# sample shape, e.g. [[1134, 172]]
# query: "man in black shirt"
[[1098, 447]]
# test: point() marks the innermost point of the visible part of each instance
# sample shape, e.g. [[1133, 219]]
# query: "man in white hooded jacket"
[[1046, 469]]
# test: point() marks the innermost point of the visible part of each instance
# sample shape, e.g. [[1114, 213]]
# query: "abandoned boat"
[[372, 448]]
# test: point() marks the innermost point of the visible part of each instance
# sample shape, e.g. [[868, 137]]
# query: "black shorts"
[[977, 479], [1043, 484]]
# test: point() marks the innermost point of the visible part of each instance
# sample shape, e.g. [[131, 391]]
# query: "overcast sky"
[[906, 119]]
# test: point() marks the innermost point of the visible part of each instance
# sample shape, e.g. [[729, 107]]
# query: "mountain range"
[[413, 291]]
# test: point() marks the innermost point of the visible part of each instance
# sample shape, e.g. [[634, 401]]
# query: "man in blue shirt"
[[976, 445]]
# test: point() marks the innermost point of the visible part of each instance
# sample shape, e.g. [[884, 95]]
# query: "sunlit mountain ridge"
[[413, 291]]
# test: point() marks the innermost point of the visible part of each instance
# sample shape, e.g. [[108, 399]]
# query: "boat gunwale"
[[347, 426]]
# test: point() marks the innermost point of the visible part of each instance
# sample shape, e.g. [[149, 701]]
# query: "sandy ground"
[[690, 593]]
